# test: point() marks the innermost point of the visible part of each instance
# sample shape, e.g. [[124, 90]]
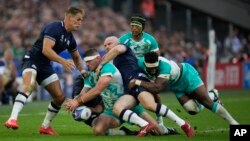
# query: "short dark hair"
[[74, 10], [91, 52], [138, 19], [151, 57]]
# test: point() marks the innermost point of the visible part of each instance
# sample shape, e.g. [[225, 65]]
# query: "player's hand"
[[157, 131], [131, 84], [71, 104], [68, 65]]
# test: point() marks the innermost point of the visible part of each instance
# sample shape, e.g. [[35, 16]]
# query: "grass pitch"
[[208, 126]]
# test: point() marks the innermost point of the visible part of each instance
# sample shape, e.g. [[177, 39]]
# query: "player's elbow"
[[157, 89], [45, 51]]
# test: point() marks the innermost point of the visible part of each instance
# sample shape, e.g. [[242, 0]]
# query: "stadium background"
[[180, 27]]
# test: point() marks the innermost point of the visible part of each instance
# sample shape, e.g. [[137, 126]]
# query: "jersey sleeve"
[[123, 39], [154, 45], [108, 69], [164, 70], [51, 31], [87, 83]]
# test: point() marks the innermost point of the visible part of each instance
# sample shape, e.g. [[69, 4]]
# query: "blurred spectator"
[[8, 72], [147, 8]]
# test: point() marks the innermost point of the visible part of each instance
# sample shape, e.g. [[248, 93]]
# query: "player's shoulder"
[[125, 36], [54, 24], [163, 59], [140, 61], [108, 65], [108, 68]]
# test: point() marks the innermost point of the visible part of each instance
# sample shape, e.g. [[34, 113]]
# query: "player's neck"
[[137, 37], [66, 26]]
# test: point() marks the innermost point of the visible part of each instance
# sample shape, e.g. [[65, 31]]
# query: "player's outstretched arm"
[[153, 87]]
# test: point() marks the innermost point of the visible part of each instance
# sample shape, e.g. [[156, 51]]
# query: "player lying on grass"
[[125, 60], [183, 80], [108, 84], [96, 107]]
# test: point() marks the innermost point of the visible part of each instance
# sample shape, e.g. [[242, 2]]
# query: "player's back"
[[126, 63]]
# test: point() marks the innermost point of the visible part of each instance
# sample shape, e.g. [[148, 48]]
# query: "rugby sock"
[[159, 119], [131, 117], [211, 95], [92, 119], [18, 104], [164, 111], [222, 112], [51, 113]]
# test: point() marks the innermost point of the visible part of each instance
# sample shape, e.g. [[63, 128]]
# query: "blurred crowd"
[[21, 22]]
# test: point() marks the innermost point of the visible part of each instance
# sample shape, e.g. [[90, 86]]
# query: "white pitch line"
[[36, 114], [215, 130], [25, 115]]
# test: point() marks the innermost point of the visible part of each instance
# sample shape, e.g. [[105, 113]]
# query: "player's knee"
[[117, 109], [150, 106], [191, 107], [98, 130], [28, 88]]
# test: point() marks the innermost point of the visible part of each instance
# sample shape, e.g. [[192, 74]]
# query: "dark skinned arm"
[[153, 87]]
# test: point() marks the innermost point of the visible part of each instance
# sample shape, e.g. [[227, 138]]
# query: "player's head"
[[110, 42], [137, 24], [151, 62], [73, 18], [92, 59]]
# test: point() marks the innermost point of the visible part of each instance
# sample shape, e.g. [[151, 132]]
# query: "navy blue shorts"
[[138, 89], [43, 70]]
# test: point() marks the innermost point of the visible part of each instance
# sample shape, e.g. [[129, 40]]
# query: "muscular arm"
[[155, 87], [48, 44], [102, 83], [115, 51], [77, 60]]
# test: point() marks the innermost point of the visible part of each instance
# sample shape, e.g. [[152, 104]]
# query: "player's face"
[[152, 71], [109, 45], [93, 64], [76, 21], [136, 30]]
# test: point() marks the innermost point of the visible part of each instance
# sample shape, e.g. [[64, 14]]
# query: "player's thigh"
[[147, 100], [126, 102], [29, 79], [201, 95]]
